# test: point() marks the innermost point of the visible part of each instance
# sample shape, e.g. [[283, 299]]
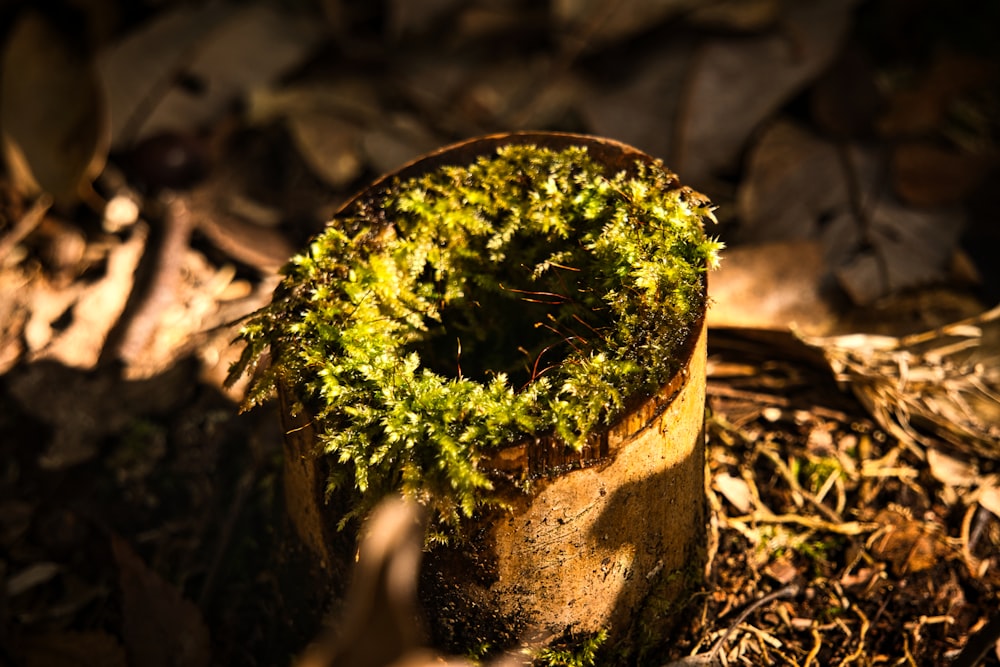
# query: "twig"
[[709, 658], [25, 224], [156, 281], [979, 644]]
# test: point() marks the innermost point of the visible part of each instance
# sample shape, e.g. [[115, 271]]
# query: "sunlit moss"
[[472, 307]]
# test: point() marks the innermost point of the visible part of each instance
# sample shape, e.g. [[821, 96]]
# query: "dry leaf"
[[989, 494], [951, 471], [794, 181], [908, 545], [924, 174], [740, 15], [735, 490], [735, 84], [51, 111], [161, 628], [640, 106], [76, 649], [609, 20], [228, 49], [900, 247], [410, 17], [846, 100], [771, 286], [922, 108], [329, 145], [398, 140]]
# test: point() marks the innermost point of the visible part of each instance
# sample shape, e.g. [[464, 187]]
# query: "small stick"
[[709, 658]]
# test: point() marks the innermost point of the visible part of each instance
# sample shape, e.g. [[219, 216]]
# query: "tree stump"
[[605, 535]]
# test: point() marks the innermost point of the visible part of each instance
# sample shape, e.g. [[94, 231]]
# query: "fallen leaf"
[[602, 21], [161, 628], [795, 180], [782, 570], [735, 84], [412, 17], [892, 247], [846, 100], [227, 49], [921, 108], [79, 649], [989, 494], [908, 248], [51, 111], [735, 490], [925, 174], [908, 545], [736, 15], [640, 106], [330, 146], [771, 286], [951, 471], [397, 141]]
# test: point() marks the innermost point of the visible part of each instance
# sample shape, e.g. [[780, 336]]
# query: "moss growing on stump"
[[474, 307]]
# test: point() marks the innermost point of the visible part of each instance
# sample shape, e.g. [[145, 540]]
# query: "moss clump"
[[475, 306]]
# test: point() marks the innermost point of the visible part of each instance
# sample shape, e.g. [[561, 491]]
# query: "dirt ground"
[[164, 159]]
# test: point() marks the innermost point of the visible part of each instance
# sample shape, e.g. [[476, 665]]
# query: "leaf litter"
[[852, 396]]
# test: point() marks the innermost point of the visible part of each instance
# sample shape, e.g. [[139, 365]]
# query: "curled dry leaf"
[[51, 111], [907, 544]]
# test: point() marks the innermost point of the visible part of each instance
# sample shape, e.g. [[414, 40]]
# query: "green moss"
[[473, 307], [582, 653]]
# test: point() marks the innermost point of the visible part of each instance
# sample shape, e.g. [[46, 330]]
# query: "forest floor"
[[163, 164]]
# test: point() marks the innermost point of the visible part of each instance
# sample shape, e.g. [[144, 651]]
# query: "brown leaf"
[[924, 174], [738, 83], [771, 286], [609, 20], [161, 627], [922, 108], [846, 100], [907, 247], [51, 111], [907, 544], [641, 107], [230, 49], [79, 649], [794, 180], [736, 15]]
